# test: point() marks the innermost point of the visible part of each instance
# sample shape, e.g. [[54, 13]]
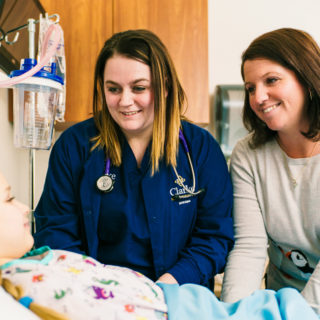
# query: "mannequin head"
[[15, 235]]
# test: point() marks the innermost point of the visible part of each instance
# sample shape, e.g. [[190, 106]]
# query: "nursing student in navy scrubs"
[[137, 185]]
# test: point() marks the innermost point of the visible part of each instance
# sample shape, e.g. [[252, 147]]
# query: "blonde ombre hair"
[[169, 97]]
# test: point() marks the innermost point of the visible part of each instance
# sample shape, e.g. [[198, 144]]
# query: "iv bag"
[[58, 59]]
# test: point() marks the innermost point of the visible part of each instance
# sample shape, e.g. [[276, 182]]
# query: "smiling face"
[[129, 95], [275, 95], [15, 236]]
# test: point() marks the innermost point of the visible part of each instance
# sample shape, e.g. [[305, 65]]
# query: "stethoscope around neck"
[[106, 182]]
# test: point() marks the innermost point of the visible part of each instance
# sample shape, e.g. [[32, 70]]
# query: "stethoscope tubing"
[[190, 191]]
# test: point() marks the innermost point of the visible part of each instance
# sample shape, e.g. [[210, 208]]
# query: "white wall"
[[233, 24], [11, 159]]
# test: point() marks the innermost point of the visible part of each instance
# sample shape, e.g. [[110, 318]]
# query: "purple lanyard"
[[184, 142], [107, 169]]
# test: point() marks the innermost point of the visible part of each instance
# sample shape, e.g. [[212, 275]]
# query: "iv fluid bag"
[[34, 114], [58, 58]]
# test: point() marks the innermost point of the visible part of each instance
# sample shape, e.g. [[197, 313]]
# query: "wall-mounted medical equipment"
[[35, 102], [37, 90], [228, 104]]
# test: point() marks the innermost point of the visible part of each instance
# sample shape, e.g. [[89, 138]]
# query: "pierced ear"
[[310, 94]]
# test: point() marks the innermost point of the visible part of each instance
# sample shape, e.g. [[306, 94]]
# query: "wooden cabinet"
[[86, 25], [181, 24]]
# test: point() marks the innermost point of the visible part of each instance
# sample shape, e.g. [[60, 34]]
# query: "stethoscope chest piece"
[[105, 183]]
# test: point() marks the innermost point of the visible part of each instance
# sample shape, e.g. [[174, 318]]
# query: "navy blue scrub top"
[[123, 229], [189, 239]]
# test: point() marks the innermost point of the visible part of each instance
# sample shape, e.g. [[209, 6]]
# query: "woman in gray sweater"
[[276, 169]]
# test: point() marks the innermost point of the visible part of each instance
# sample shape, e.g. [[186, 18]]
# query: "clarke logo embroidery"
[[178, 191], [177, 181]]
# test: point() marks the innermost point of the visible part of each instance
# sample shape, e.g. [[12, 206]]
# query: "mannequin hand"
[[167, 278]]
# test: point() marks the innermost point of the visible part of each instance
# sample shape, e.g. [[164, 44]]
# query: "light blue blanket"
[[194, 302]]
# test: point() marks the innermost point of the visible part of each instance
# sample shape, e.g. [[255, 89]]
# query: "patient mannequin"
[[71, 285], [57, 284]]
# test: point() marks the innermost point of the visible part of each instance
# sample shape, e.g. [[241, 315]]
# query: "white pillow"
[[10, 309]]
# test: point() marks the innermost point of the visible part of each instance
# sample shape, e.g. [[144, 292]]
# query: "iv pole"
[[32, 153]]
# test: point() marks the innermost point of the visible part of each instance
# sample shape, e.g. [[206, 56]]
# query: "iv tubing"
[[45, 57]]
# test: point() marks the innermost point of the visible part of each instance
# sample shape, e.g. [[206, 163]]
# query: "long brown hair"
[[297, 51], [169, 96]]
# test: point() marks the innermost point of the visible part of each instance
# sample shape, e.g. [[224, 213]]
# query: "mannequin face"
[[15, 235]]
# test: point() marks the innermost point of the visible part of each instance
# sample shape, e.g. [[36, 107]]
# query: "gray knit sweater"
[[274, 219]]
